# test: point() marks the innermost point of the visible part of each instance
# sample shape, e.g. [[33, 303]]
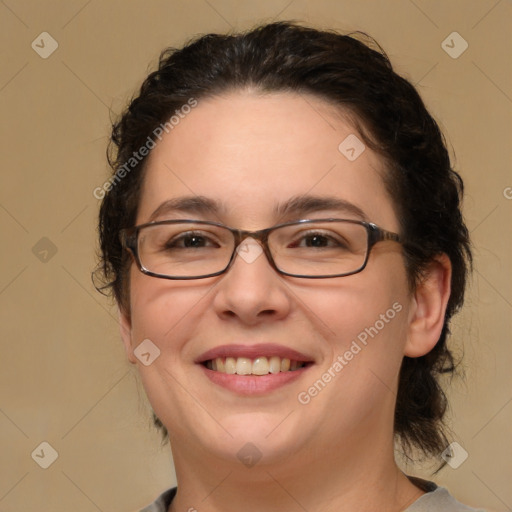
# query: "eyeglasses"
[[309, 248]]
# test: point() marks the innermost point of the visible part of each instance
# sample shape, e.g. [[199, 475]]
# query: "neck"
[[343, 480]]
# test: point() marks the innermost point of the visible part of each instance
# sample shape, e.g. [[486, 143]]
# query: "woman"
[[283, 236]]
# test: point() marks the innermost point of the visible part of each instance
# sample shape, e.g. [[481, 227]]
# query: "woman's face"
[[251, 156]]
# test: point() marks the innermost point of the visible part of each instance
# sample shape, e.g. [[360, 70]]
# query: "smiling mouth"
[[258, 366]]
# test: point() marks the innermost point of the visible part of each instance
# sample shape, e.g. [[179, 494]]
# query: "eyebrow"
[[187, 204], [301, 205], [295, 207]]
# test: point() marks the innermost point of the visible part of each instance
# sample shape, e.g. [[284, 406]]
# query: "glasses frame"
[[375, 234]]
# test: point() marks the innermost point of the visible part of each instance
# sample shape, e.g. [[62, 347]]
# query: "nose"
[[251, 290]]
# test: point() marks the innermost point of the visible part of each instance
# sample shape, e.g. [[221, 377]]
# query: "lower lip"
[[253, 384]]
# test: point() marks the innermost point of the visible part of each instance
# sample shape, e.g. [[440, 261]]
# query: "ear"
[[125, 328], [428, 308]]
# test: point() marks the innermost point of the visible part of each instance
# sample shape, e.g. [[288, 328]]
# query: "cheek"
[[367, 320], [352, 306], [366, 315], [164, 311]]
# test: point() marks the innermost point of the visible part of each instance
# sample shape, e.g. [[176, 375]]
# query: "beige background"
[[64, 378]]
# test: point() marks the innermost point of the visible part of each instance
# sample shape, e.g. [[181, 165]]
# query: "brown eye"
[[318, 240], [190, 241]]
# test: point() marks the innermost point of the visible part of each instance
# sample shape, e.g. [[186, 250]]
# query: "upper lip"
[[253, 351]]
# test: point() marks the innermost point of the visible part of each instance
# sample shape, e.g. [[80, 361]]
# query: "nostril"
[[265, 313]]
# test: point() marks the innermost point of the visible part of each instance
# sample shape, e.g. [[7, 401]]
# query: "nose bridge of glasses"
[[248, 242], [249, 245], [245, 237]]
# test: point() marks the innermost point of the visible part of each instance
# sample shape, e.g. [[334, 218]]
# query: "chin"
[[263, 436]]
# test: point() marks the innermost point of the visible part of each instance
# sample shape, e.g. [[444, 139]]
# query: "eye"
[[318, 239], [190, 240]]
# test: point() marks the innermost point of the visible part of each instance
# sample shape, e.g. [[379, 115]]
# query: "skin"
[[251, 152]]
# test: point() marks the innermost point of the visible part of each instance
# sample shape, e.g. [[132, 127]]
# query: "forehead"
[[251, 153]]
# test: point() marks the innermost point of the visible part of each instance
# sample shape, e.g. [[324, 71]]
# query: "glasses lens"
[[319, 248], [184, 249]]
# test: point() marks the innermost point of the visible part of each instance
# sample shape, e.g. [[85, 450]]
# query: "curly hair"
[[357, 78]]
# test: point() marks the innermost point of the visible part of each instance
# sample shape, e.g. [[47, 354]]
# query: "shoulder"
[[161, 504], [437, 499]]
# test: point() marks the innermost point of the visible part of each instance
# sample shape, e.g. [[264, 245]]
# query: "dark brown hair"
[[390, 116]]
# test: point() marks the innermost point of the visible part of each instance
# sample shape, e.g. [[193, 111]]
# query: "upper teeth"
[[258, 366]]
